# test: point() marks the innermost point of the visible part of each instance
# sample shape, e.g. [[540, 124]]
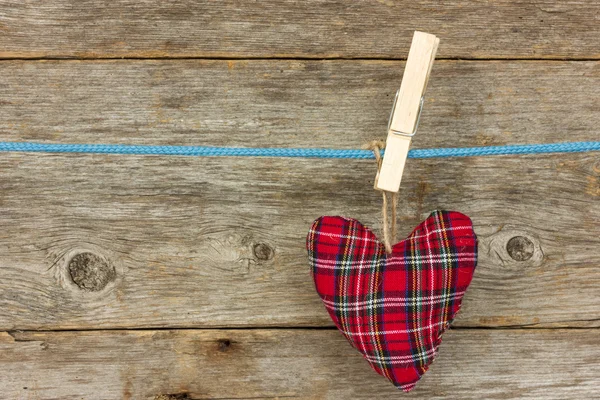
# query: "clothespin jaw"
[[404, 118]]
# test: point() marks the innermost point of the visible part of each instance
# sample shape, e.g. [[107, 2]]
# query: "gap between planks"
[[15, 332], [298, 58]]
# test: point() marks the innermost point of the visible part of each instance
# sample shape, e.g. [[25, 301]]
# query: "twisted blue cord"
[[568, 147]]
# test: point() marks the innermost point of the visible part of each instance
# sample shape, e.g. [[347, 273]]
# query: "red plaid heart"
[[394, 307]]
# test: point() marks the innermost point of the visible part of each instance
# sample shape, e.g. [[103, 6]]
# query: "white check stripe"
[[363, 256], [393, 332], [408, 386], [393, 261], [402, 359], [335, 236], [375, 240], [393, 301], [432, 285]]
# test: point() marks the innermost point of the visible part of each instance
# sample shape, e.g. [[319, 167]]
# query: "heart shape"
[[394, 308]]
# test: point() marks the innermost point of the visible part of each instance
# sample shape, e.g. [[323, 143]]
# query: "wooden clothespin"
[[406, 111]]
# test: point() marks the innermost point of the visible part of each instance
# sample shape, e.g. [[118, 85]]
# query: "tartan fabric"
[[393, 308]]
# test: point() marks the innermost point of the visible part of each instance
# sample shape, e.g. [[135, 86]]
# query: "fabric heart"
[[394, 307]]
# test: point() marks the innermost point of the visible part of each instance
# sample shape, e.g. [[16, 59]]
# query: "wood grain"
[[288, 28], [149, 247], [219, 242], [281, 103], [303, 364]]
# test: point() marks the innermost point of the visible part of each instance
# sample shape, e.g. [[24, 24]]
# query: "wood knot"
[[263, 252], [512, 248], [520, 248], [91, 272]]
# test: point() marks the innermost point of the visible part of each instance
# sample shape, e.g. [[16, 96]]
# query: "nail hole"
[[175, 396], [224, 344]]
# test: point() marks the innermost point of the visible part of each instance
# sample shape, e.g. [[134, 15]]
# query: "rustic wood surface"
[[289, 28], [281, 364], [197, 242], [293, 103], [186, 278]]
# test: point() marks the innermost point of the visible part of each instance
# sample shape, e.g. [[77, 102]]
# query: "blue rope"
[[568, 147]]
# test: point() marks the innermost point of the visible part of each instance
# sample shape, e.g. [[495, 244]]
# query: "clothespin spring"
[[414, 132]]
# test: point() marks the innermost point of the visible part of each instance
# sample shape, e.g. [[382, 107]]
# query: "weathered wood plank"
[[198, 242], [310, 28], [293, 103], [306, 364]]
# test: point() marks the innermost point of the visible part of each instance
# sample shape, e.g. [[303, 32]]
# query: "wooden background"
[[149, 277]]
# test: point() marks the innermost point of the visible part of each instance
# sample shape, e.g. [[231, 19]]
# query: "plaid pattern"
[[394, 308]]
